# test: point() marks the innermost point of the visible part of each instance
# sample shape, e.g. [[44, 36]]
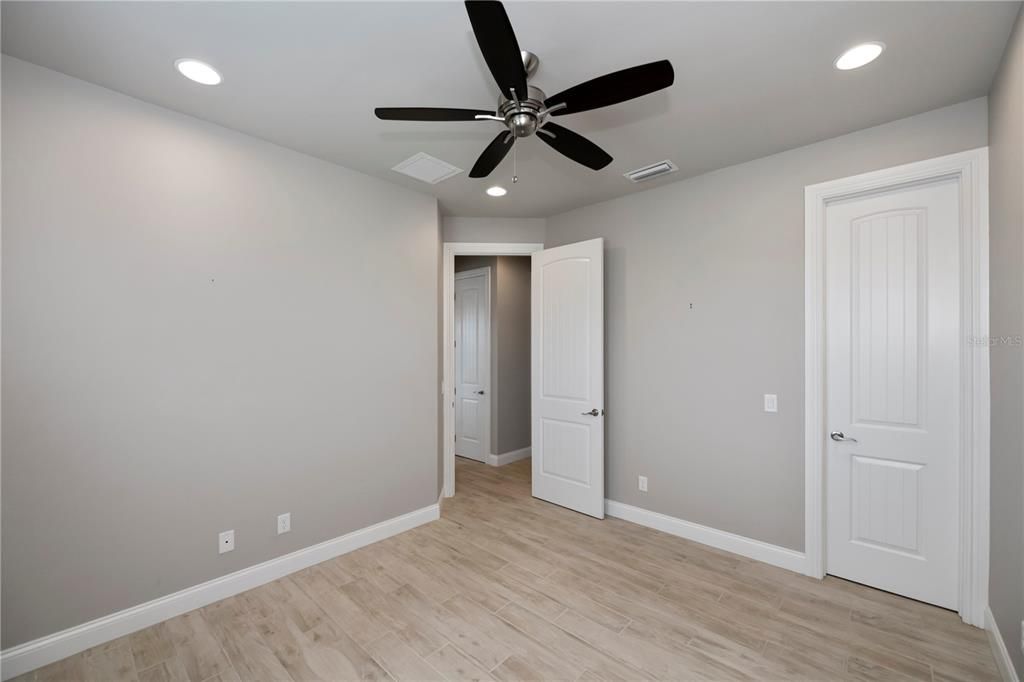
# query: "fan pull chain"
[[515, 176]]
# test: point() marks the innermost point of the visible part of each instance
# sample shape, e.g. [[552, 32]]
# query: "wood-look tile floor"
[[508, 587]]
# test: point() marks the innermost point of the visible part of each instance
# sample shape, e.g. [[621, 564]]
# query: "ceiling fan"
[[524, 109]]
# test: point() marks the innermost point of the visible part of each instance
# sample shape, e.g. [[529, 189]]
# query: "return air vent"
[[426, 168], [652, 171]]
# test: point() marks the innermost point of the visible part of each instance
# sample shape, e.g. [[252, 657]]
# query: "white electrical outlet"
[[771, 402], [641, 483], [284, 523], [226, 541]]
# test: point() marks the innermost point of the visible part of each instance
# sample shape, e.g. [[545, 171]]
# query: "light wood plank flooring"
[[508, 587]]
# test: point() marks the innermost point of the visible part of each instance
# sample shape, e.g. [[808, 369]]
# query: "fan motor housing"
[[523, 117]]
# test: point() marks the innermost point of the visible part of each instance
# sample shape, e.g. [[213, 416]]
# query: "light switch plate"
[[771, 402]]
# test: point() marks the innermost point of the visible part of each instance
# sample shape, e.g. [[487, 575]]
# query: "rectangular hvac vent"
[[427, 168], [652, 171]]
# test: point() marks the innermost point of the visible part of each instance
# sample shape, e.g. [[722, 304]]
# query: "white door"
[[472, 363], [893, 378], [567, 308]]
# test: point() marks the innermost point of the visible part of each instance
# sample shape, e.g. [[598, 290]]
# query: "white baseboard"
[[1003, 661], [737, 544], [39, 652], [508, 457]]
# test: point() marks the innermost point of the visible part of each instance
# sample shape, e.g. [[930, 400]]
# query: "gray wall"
[[1006, 233], [684, 385], [510, 348], [463, 263], [189, 346], [513, 341], [494, 230]]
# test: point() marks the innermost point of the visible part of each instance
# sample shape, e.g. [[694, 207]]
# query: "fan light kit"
[[198, 71], [523, 109], [859, 55], [497, 191]]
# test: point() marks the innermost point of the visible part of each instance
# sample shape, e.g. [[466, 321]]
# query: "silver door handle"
[[593, 413], [479, 392], [839, 437]]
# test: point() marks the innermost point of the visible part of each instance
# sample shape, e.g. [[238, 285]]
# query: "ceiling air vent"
[[426, 168], [652, 171]]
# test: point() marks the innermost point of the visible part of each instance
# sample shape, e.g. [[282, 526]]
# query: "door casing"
[[970, 171], [449, 251]]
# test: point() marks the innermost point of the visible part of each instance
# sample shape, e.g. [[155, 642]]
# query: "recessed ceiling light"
[[859, 55], [198, 71], [497, 191]]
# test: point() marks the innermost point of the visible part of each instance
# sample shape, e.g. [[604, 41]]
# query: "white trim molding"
[[452, 249], [999, 650], [782, 557], [970, 170], [23, 658], [508, 457]]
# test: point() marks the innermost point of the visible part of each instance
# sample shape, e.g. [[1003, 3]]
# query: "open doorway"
[[491, 340], [566, 385], [462, 266]]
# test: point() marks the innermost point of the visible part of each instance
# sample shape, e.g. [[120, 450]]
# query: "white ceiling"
[[751, 78]]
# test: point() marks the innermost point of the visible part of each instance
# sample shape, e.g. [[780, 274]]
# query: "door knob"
[[479, 392], [839, 437], [593, 413]]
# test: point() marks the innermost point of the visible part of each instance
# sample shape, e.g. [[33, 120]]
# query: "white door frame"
[[970, 171], [452, 249], [485, 432]]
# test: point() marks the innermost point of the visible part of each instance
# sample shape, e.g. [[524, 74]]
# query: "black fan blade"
[[428, 114], [613, 88], [498, 44], [493, 155], [575, 146]]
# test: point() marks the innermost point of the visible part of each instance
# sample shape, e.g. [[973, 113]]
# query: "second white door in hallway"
[[473, 363]]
